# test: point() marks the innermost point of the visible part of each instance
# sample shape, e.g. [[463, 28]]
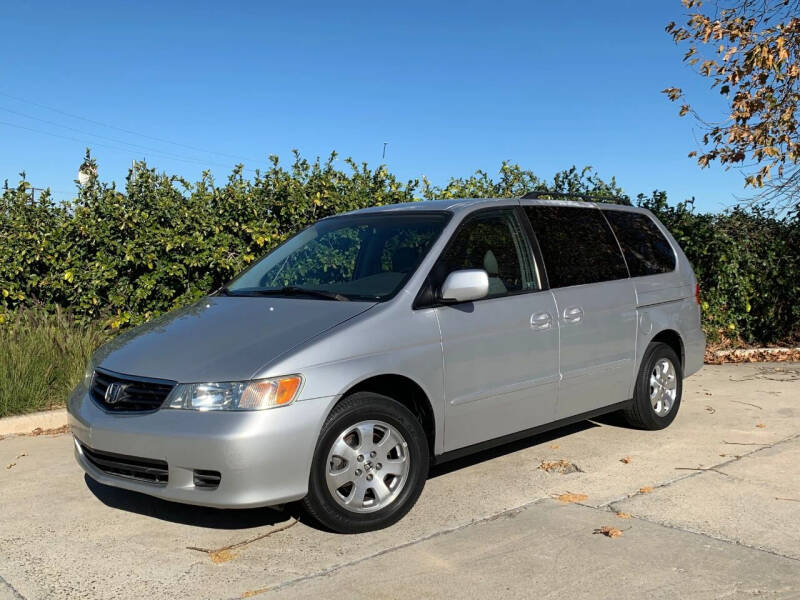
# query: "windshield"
[[352, 257]]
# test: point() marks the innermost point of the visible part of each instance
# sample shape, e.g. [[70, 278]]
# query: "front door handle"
[[573, 314], [542, 320]]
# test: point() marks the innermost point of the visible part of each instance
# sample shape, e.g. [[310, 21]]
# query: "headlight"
[[88, 374], [258, 394]]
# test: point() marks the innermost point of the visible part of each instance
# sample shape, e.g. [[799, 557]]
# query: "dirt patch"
[[788, 374]]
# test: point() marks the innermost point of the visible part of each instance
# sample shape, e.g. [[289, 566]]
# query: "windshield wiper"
[[292, 290]]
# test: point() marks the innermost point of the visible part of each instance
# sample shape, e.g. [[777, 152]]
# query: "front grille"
[[130, 467], [132, 394]]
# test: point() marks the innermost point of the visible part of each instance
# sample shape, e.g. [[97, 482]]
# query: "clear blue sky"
[[453, 87]]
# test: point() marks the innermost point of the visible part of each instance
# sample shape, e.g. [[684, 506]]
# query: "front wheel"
[[369, 466], [658, 389]]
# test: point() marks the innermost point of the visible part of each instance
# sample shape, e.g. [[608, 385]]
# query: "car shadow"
[[509, 448], [186, 514]]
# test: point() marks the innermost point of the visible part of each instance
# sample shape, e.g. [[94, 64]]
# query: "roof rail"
[[585, 197]]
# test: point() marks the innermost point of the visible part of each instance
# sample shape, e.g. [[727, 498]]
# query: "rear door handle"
[[573, 314], [541, 320]]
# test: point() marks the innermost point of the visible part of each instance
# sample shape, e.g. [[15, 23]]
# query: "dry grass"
[[42, 358]]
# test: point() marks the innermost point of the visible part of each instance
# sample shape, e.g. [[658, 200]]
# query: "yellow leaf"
[[608, 531], [69, 276], [5, 293], [570, 497]]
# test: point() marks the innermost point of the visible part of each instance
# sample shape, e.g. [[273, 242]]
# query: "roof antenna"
[[384, 150]]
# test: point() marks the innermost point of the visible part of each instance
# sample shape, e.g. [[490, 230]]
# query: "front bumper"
[[264, 457]]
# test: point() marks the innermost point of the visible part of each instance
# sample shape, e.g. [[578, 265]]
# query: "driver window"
[[493, 241]]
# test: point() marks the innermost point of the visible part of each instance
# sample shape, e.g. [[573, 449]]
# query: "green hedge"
[[123, 256]]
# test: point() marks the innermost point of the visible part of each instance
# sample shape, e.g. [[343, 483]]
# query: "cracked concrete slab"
[[549, 551], [753, 501], [62, 536]]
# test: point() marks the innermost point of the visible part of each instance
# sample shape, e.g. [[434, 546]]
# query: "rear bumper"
[[694, 350], [263, 457]]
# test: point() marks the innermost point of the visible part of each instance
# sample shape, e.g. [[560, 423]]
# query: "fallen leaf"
[[221, 556], [554, 446], [708, 393], [645, 490], [558, 466], [570, 497], [624, 515], [55, 431], [625, 460], [21, 455], [711, 409], [257, 592], [10, 465], [608, 531], [761, 425]]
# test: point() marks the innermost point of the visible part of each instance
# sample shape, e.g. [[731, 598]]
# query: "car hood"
[[222, 338]]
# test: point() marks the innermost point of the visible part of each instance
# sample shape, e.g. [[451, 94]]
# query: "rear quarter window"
[[646, 250], [577, 245]]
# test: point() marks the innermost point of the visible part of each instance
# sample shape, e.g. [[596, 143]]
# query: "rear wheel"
[[658, 389], [369, 466]]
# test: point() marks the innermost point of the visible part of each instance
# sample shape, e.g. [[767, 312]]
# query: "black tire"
[[641, 413], [320, 503]]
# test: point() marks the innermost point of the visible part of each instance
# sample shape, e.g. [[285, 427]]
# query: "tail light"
[[697, 293]]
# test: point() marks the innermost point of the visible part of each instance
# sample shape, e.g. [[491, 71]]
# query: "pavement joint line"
[[713, 537], [725, 463], [507, 513], [333, 569], [14, 591], [609, 506]]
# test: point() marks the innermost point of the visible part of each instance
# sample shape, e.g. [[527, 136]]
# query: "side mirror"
[[465, 285]]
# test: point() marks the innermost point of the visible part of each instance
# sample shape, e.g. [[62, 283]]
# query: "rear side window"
[[646, 249], [577, 245]]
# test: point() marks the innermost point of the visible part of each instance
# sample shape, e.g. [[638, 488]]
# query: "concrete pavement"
[[714, 503]]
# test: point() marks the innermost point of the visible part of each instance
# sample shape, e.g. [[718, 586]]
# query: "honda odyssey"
[[372, 344]]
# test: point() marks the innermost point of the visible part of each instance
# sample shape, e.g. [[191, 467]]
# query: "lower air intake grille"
[[130, 467], [207, 479]]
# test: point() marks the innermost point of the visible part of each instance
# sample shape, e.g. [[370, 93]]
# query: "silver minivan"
[[373, 344]]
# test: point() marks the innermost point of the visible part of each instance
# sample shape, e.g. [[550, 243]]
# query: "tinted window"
[[577, 245], [495, 242], [646, 249]]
